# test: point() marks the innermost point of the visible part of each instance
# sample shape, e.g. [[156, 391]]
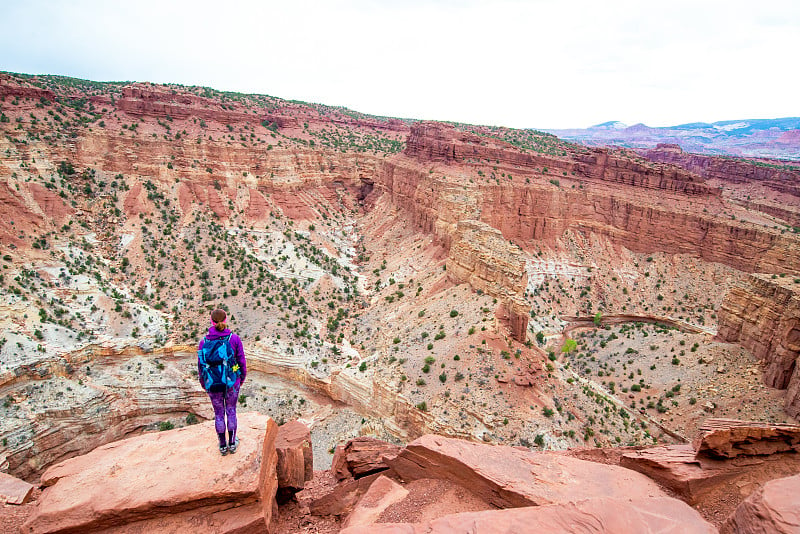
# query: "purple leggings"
[[224, 403]]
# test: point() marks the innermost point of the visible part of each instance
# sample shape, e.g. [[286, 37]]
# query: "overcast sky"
[[536, 63]]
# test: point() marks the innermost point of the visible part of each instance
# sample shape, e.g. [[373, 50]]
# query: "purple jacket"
[[238, 351]]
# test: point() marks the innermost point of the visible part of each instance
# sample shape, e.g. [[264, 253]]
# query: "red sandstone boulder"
[[730, 438], [163, 482], [14, 490], [295, 458], [662, 515], [508, 477], [773, 508], [362, 456]]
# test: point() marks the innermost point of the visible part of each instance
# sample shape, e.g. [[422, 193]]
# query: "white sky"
[[536, 63]]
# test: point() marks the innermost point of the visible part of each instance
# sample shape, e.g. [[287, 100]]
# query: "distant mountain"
[[761, 138]]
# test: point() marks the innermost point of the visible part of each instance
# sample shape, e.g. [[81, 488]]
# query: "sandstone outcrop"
[[362, 456], [773, 508], [143, 479], [727, 451], [343, 497], [509, 477], [729, 438], [110, 408], [660, 515], [763, 316]]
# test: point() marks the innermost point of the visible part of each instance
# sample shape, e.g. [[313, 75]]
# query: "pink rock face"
[[162, 474], [508, 477], [661, 515], [14, 490], [773, 508]]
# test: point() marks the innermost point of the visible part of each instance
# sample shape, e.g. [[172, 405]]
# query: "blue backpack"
[[219, 369]]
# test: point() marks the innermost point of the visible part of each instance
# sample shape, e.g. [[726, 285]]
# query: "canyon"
[[389, 278]]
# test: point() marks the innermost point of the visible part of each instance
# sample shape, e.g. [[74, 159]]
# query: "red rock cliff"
[[617, 202], [763, 316]]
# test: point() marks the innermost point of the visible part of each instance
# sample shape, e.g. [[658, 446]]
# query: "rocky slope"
[[388, 277]]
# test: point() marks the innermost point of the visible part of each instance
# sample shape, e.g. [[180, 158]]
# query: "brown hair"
[[218, 317]]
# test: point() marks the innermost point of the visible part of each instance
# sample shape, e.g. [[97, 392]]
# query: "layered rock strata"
[[481, 257], [729, 438], [763, 316], [533, 207], [727, 451], [774, 175]]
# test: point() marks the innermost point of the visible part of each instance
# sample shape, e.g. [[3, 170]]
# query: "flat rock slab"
[[773, 508], [152, 475], [678, 468], [661, 515], [508, 477], [14, 490], [729, 438]]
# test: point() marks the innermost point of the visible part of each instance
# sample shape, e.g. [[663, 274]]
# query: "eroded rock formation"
[[480, 256], [763, 316]]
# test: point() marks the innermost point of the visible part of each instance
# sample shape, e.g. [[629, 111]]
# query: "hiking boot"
[[223, 450], [232, 446]]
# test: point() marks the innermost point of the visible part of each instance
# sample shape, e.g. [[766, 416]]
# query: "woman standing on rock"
[[221, 368]]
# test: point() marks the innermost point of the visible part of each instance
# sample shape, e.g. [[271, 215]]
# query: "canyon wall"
[[615, 200], [775, 175], [436, 142], [763, 316]]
